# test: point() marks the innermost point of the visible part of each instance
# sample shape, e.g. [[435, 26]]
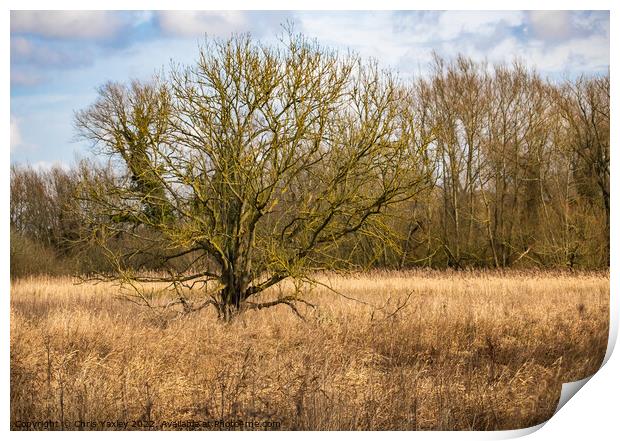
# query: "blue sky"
[[59, 58]]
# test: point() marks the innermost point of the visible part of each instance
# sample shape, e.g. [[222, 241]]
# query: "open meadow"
[[416, 350]]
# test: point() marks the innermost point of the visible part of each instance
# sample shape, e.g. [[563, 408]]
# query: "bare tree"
[[256, 162], [584, 107]]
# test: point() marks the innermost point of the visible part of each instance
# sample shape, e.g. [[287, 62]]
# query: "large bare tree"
[[247, 168]]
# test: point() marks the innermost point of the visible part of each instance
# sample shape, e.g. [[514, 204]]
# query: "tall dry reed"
[[415, 350]]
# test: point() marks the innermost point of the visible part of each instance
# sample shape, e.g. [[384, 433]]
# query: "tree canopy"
[[256, 162]]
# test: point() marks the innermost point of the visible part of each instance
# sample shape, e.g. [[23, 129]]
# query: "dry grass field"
[[470, 350]]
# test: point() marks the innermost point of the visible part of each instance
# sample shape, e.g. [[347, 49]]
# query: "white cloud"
[[592, 22], [371, 34], [496, 36], [433, 26], [142, 17], [405, 40], [572, 56], [44, 54], [452, 24], [20, 46], [578, 56], [197, 23], [550, 25], [67, 24], [23, 78], [16, 137]]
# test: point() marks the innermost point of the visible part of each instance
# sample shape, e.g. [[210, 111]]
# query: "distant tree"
[[41, 205], [251, 167], [584, 108], [43, 223]]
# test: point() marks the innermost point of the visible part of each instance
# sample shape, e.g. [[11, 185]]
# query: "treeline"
[[520, 171]]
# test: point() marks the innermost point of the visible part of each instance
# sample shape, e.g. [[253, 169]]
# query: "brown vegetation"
[[426, 350]]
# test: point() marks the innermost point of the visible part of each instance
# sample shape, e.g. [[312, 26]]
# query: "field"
[[416, 350]]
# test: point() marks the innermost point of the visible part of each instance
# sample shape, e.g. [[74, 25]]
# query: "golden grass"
[[474, 350]]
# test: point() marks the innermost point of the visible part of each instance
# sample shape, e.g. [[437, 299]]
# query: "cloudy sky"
[[58, 58]]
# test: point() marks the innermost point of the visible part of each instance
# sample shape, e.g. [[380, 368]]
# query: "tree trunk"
[[232, 294]]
